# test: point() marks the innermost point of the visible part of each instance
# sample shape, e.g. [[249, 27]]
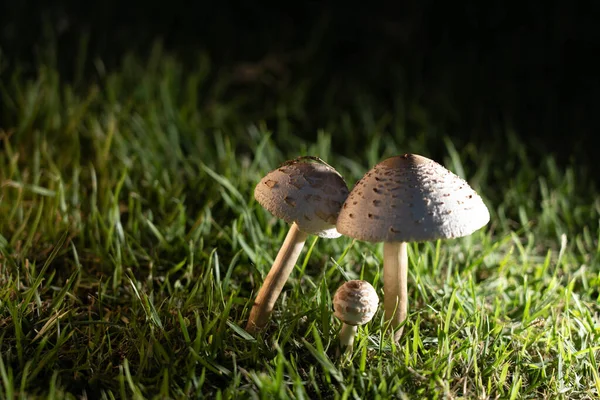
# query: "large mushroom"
[[308, 194], [408, 198]]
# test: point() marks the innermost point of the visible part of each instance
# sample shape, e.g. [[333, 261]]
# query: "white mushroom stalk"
[[355, 303], [276, 278], [395, 283], [308, 194], [404, 199]]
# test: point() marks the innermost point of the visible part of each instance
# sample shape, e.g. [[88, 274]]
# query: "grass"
[[131, 248]]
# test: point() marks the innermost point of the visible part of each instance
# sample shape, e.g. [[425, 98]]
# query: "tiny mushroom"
[[408, 198], [308, 194], [355, 303]]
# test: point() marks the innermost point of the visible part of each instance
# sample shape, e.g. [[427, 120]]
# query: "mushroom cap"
[[411, 198], [355, 302], [306, 191]]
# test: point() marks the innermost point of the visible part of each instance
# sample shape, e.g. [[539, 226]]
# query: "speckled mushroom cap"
[[306, 191], [411, 198], [355, 302]]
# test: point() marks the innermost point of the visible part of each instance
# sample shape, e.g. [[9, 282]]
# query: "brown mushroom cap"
[[306, 192], [355, 302], [411, 198]]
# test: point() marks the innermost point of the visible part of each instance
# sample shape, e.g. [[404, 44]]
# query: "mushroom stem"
[[347, 334], [276, 278], [395, 275]]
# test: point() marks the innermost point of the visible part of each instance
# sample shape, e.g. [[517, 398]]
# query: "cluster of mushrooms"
[[406, 198]]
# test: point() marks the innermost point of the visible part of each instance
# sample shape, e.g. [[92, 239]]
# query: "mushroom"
[[408, 198], [308, 194], [355, 303]]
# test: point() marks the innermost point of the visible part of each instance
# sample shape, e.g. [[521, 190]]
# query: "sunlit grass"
[[131, 249]]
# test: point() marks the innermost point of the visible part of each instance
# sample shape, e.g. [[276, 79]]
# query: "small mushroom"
[[308, 194], [408, 198], [355, 303]]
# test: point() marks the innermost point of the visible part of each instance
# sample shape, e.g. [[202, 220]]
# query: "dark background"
[[479, 69]]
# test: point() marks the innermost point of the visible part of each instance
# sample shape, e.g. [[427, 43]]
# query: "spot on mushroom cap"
[[411, 198], [355, 302], [306, 192]]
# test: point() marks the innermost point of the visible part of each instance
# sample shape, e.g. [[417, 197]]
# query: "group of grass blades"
[[130, 246]]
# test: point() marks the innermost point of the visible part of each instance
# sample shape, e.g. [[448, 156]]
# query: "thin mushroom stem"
[[347, 334], [276, 278], [395, 276]]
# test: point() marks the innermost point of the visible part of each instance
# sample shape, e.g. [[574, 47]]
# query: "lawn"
[[131, 248]]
